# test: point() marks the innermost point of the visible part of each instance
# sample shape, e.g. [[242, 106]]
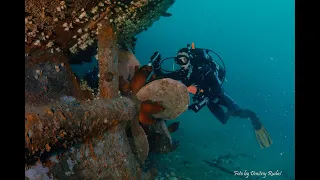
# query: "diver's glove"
[[196, 107], [155, 60]]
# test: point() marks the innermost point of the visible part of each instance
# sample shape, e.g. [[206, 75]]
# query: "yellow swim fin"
[[263, 137]]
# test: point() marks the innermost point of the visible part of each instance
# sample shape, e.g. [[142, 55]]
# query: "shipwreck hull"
[[70, 132]]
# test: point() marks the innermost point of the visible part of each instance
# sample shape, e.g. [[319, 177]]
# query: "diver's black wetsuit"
[[206, 77]]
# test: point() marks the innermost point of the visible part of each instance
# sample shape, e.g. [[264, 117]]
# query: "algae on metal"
[[51, 28], [65, 116]]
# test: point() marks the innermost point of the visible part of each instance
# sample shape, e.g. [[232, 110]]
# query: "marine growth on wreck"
[[73, 131]]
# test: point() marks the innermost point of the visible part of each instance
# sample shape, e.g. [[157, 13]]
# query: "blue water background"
[[255, 38]]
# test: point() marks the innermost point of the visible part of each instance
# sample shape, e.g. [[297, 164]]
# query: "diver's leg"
[[218, 112], [261, 133], [234, 110], [228, 102], [246, 113]]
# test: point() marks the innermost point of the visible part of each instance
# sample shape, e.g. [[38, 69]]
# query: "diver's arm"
[[176, 75]]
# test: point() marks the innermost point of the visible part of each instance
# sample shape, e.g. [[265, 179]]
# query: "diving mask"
[[182, 60]]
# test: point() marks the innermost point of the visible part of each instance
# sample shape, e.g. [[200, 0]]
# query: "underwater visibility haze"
[[255, 39], [256, 42]]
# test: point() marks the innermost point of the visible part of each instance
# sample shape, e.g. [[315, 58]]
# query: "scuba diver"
[[204, 78]]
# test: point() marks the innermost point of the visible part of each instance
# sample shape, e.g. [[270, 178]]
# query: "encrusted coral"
[[139, 142], [73, 26], [164, 98], [172, 94], [48, 78], [164, 142], [144, 18], [87, 133], [161, 99]]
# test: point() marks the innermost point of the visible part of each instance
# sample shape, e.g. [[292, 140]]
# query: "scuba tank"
[[203, 58]]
